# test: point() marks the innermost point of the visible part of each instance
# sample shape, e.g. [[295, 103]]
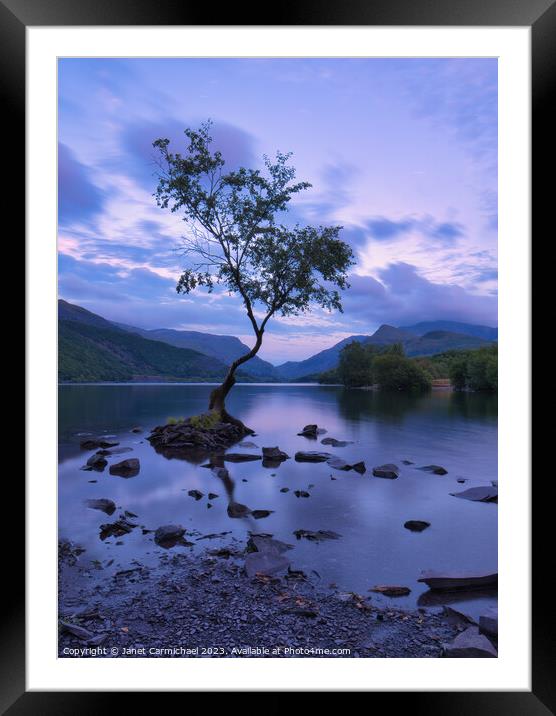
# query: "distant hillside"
[[428, 344], [95, 350], [224, 348], [469, 329]]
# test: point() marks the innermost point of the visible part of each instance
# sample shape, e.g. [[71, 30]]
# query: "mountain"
[[469, 329], [224, 348], [414, 345], [91, 349]]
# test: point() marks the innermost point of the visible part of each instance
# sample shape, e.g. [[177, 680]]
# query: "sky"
[[400, 152]]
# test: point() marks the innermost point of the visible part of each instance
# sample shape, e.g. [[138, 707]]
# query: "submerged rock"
[[103, 504], [391, 590], [389, 471], [168, 536], [478, 494], [125, 468], [470, 644], [435, 469], [317, 536], [416, 525], [312, 456], [335, 443], [236, 509]]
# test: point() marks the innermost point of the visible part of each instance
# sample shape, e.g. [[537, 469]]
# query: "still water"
[[457, 431]]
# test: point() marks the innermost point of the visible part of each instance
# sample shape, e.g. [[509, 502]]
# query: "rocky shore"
[[206, 605]]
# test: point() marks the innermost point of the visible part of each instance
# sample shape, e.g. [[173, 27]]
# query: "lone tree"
[[234, 240]]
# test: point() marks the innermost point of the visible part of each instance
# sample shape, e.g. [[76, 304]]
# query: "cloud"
[[79, 199]]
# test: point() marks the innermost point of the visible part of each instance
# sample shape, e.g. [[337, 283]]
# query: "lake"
[[455, 430]]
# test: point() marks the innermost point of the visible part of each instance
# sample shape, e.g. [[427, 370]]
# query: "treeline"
[[388, 368]]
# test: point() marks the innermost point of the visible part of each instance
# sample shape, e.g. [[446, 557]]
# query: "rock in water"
[[416, 525], [301, 493], [390, 590], [260, 514], [454, 581], [116, 529], [312, 456], [274, 453], [169, 535], [268, 563], [316, 536], [197, 494], [488, 622], [236, 509], [470, 644], [95, 444], [435, 469], [389, 471], [97, 462], [309, 431], [265, 543], [240, 457], [125, 468], [103, 504], [478, 494], [335, 443]]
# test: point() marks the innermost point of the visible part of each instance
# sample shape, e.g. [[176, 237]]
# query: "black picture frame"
[[540, 15]]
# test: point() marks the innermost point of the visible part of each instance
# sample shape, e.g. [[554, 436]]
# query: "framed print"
[[278, 329]]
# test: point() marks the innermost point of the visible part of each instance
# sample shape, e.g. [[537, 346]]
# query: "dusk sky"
[[401, 152]]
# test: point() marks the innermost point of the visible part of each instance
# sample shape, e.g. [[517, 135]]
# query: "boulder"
[[274, 453], [458, 580], [265, 543], [236, 509], [125, 468], [103, 504], [435, 469], [212, 495], [359, 467], [309, 431], [389, 471], [488, 622], [116, 529], [390, 590], [470, 644], [478, 494], [76, 630], [114, 451], [416, 525], [312, 456], [197, 494], [168, 536]]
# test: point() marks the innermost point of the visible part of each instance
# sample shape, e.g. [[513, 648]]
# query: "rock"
[[240, 457], [488, 622], [389, 471], [196, 494], [137, 429], [265, 543], [78, 631], [116, 529], [407, 462], [470, 644], [390, 590], [285, 489], [274, 453], [309, 431], [269, 563], [94, 444], [209, 506], [212, 495], [338, 464], [461, 480], [114, 451], [168, 536], [103, 504], [478, 494], [260, 514], [221, 473], [359, 467], [236, 509], [416, 525], [247, 444], [312, 456], [452, 581], [186, 440], [435, 469], [98, 639], [316, 536], [458, 615], [301, 493], [125, 468], [335, 443], [97, 462]]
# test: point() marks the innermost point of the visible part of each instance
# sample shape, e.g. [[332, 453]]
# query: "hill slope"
[[469, 329], [90, 353]]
